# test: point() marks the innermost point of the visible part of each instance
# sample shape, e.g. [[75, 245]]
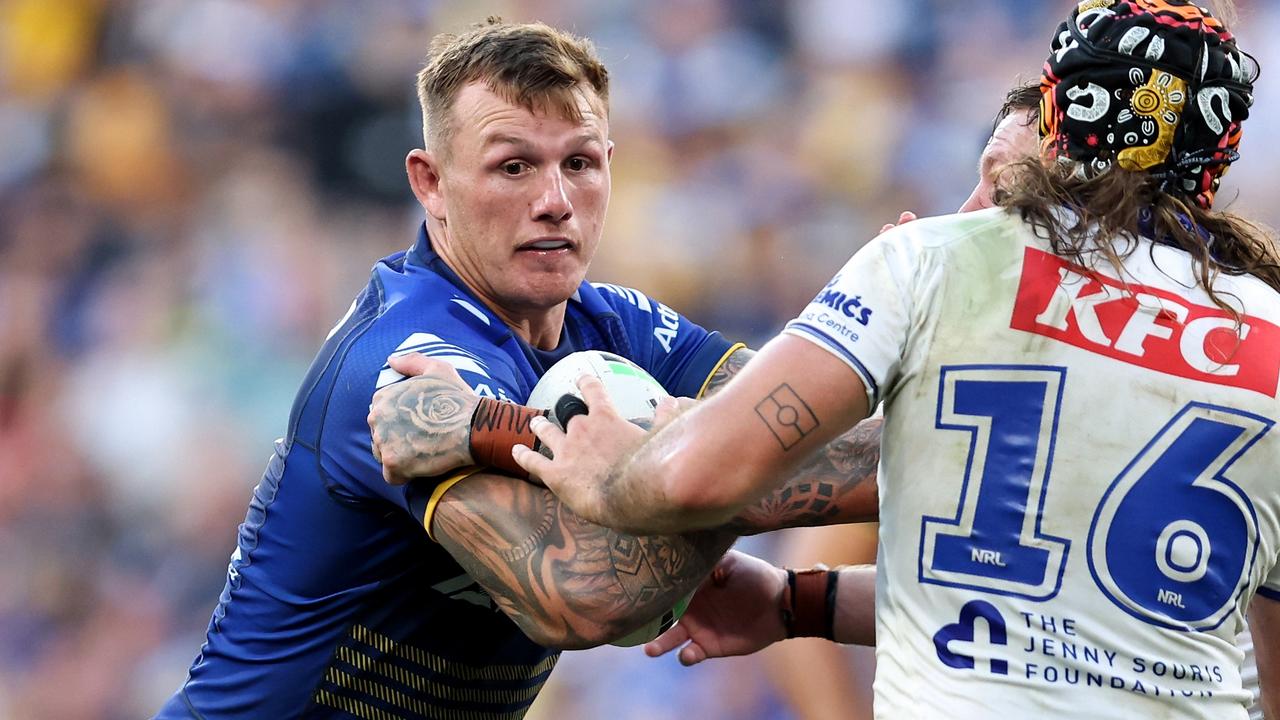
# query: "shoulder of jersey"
[[957, 227], [420, 311]]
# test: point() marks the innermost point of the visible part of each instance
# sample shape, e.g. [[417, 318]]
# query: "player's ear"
[[608, 152], [423, 169]]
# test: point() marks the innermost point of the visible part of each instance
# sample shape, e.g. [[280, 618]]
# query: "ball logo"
[[1145, 326]]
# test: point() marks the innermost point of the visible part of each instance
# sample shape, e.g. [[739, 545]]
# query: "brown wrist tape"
[[809, 603], [498, 426]]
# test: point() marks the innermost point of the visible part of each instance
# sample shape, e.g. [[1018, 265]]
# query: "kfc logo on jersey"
[[1144, 326], [850, 307]]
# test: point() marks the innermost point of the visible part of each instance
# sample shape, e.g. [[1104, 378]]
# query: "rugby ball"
[[633, 391], [636, 395]]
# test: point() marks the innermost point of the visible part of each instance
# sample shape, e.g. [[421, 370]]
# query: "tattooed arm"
[[836, 484], [713, 461], [432, 423], [420, 428], [566, 582], [569, 583]]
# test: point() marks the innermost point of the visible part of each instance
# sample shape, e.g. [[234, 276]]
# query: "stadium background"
[[191, 191]]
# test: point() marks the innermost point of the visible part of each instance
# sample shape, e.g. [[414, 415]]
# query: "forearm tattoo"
[[787, 416], [422, 420], [837, 484], [559, 576]]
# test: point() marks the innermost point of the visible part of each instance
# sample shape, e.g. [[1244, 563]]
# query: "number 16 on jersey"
[[1172, 541]]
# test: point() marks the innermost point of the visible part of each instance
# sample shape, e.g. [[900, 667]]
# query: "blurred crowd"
[[191, 192]]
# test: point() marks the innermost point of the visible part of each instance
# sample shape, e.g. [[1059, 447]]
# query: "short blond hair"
[[532, 65]]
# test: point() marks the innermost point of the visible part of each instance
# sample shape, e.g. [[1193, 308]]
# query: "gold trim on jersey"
[[366, 681], [719, 364], [439, 492], [437, 664], [417, 706], [366, 665], [352, 706]]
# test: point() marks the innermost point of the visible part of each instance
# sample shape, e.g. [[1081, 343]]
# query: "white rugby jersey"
[[1249, 673], [1080, 477]]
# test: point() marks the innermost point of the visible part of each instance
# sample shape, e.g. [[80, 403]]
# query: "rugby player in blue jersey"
[[1094, 365], [449, 597]]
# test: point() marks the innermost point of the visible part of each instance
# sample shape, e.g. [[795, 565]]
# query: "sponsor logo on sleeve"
[[667, 328], [1144, 326], [850, 306], [836, 313]]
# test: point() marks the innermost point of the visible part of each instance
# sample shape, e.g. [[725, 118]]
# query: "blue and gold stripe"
[[376, 678]]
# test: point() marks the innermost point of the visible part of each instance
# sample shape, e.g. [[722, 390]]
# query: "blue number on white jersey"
[[994, 543], [1173, 540]]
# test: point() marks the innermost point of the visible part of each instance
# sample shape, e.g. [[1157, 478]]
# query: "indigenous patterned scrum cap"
[[1156, 86]]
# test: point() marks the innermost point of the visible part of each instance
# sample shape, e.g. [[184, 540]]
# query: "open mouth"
[[548, 245]]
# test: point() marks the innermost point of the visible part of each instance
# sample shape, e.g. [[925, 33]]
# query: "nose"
[[552, 203]]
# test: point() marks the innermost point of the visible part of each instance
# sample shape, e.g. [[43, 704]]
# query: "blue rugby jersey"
[[337, 604]]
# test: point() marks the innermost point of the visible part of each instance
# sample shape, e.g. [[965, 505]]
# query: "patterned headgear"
[[1156, 86]]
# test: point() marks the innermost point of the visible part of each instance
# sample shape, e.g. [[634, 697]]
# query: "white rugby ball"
[[636, 395], [633, 391]]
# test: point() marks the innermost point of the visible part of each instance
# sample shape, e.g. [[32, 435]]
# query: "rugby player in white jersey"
[[817, 679], [1078, 488], [1013, 138]]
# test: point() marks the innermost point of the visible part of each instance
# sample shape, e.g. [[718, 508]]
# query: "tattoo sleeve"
[[837, 484], [423, 421], [566, 582], [572, 584]]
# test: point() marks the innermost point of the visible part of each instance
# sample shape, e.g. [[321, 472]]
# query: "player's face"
[[1016, 138], [523, 196]]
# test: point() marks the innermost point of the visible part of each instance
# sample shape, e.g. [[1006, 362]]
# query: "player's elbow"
[[549, 633], [592, 618], [557, 638], [561, 625]]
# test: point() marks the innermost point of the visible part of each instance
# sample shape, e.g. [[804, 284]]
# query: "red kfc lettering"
[[1144, 326]]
